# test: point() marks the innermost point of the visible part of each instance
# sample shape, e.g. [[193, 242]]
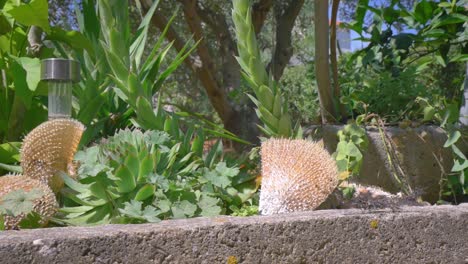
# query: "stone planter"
[[420, 155], [432, 234]]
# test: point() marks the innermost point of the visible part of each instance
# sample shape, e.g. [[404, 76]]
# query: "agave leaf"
[[266, 97], [284, 126], [138, 45], [118, 67], [269, 119]]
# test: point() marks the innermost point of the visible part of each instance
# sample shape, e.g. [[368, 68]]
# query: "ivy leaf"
[[209, 205], [19, 202], [183, 209], [2, 223]]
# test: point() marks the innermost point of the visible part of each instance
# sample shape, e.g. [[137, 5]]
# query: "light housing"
[[60, 74]]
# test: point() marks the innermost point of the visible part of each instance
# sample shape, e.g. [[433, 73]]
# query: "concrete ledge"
[[408, 235], [419, 153]]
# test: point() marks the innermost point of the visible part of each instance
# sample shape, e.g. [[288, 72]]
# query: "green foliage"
[[20, 107], [19, 202], [296, 84], [245, 210], [367, 91], [139, 177], [396, 67], [271, 109], [353, 142]]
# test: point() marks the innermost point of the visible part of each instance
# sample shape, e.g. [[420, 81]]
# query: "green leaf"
[[423, 11], [133, 164], [458, 152], [72, 38], [19, 201], [9, 152], [429, 113], [33, 14], [146, 167], [209, 205], [2, 223], [215, 152], [145, 192], [32, 220], [197, 144], [32, 67], [183, 209], [226, 171], [458, 166], [138, 45], [127, 182], [12, 168], [5, 26], [21, 85], [452, 138], [99, 190], [164, 205], [217, 179]]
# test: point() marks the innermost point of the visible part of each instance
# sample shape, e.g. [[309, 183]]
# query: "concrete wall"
[[419, 154], [408, 235]]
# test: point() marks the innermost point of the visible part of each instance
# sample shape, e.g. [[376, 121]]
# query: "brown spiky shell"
[[50, 148], [45, 206], [297, 175]]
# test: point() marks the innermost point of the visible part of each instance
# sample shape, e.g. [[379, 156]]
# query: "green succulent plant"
[[137, 177]]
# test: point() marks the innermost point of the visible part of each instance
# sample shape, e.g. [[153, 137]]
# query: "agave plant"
[[148, 176], [271, 109]]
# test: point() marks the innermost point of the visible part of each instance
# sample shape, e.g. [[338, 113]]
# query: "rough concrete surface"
[[408, 235], [420, 157]]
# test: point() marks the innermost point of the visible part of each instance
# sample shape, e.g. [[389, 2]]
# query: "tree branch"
[[204, 71], [285, 20], [216, 94], [259, 14], [227, 47]]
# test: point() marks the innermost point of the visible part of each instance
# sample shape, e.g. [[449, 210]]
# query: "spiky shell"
[[297, 175], [50, 148], [46, 206]]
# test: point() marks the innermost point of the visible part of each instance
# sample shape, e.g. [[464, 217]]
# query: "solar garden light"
[[60, 74]]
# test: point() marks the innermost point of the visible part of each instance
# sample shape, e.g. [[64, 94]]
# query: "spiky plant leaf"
[[271, 111]]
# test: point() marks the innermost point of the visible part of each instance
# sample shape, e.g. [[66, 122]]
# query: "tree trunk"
[[284, 25], [334, 58], [322, 66]]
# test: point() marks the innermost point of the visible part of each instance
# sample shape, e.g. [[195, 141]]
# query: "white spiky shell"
[[45, 206], [297, 175], [49, 148]]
